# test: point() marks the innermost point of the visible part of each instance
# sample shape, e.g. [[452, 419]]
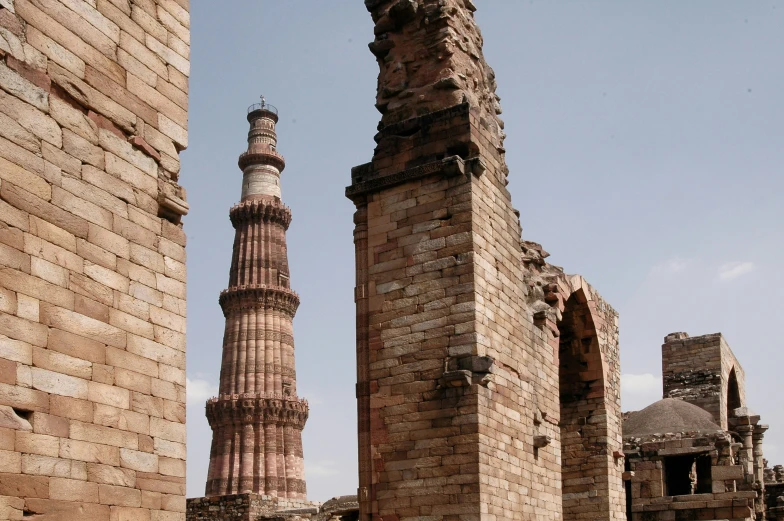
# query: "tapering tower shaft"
[[257, 418]]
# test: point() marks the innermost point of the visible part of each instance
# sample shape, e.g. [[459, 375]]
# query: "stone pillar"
[[759, 469], [258, 414], [747, 452]]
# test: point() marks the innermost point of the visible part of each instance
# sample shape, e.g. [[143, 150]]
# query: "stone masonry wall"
[[93, 115], [697, 369], [458, 381]]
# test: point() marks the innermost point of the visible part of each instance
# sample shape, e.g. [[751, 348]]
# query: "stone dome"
[[669, 415]]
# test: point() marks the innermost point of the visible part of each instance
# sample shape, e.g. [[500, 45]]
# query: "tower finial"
[[263, 101]]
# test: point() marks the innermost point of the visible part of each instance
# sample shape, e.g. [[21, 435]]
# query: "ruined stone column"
[[747, 454], [257, 419], [457, 388]]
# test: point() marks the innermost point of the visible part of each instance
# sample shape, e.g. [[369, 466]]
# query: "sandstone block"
[[90, 288], [124, 151], [171, 467], [155, 351], [20, 485], [90, 452], [51, 510], [74, 120], [16, 350], [57, 317], [141, 461], [48, 424], [164, 515], [49, 272], [28, 202], [23, 398], [167, 430], [146, 404], [10, 462], [61, 363], [106, 435], [72, 408], [65, 162], [173, 503], [31, 119], [73, 490], [151, 500], [131, 324], [81, 207], [76, 346], [116, 495], [108, 395], [14, 84], [35, 464], [133, 381], [170, 449], [41, 444], [7, 372], [121, 359], [167, 319], [119, 513], [58, 383], [108, 475], [53, 234]]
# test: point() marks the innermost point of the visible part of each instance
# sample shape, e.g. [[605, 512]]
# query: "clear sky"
[[645, 150]]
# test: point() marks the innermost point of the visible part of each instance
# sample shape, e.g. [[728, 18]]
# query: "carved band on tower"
[[257, 418]]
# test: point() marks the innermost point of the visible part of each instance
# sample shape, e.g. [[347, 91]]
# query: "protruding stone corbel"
[[618, 455], [459, 378], [172, 207], [542, 440], [478, 167]]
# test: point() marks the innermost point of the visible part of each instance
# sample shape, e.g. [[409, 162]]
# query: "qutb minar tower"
[[257, 418]]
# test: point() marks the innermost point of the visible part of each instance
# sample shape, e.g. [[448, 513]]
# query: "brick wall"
[[698, 369], [93, 115]]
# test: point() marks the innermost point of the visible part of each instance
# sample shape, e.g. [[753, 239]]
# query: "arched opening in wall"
[[733, 394], [583, 420]]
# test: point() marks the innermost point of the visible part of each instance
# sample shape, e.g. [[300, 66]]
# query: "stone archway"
[[582, 407], [586, 337], [733, 394]]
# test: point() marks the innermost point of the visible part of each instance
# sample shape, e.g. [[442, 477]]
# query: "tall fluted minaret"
[[257, 418]]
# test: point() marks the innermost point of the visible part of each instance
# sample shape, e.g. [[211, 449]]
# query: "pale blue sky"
[[645, 150]]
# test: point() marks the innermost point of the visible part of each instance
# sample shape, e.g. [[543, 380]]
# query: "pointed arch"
[[733, 394]]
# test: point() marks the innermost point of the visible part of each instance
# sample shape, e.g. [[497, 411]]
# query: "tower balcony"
[[261, 155], [262, 110]]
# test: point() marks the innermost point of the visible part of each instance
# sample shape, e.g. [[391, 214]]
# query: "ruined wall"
[[722, 498], [697, 369], [93, 115], [458, 384]]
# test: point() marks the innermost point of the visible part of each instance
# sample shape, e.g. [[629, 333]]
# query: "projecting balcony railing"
[[263, 106], [262, 154]]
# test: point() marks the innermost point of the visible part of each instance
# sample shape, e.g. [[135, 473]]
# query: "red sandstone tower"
[[257, 418]]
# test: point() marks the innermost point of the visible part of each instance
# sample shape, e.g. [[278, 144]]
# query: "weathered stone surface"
[[470, 404], [92, 120]]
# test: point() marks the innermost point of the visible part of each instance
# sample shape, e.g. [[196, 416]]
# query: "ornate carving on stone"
[[260, 210], [259, 296]]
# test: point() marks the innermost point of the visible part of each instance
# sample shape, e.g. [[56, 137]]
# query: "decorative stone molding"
[[260, 210], [259, 296]]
